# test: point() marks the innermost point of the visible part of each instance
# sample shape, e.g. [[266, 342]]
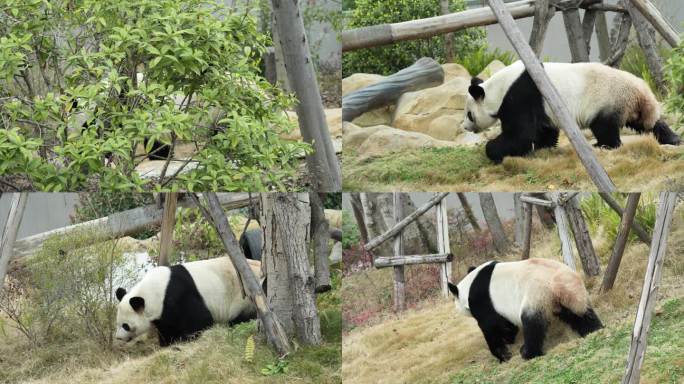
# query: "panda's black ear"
[[475, 90], [120, 293], [470, 269], [453, 289], [138, 303]]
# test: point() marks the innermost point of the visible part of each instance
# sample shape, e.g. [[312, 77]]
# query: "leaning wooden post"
[[602, 35], [275, 334], [653, 15], [468, 212], [553, 98], [543, 13], [424, 73], [636, 227], [167, 225], [585, 248], [649, 292], [527, 233], [9, 235], [399, 278], [563, 234], [575, 33], [648, 44], [443, 246], [620, 241]]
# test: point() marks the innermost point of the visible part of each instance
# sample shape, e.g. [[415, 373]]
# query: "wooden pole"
[[322, 162], [649, 293], [424, 73], [9, 234], [443, 246], [537, 201], [650, 12], [527, 235], [275, 334], [491, 216], [636, 227], [518, 207], [449, 37], [543, 13], [620, 32], [588, 23], [553, 98], [167, 225], [602, 35], [404, 222], [385, 262], [648, 44], [399, 278], [585, 248], [575, 34], [620, 242], [468, 211], [562, 225], [320, 234]]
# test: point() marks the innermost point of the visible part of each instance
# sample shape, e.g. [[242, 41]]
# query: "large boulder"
[[378, 116], [358, 81], [453, 71], [417, 111], [492, 68], [333, 116], [354, 135], [389, 139]]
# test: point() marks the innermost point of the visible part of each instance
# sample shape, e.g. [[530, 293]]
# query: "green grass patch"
[[598, 358], [427, 166]]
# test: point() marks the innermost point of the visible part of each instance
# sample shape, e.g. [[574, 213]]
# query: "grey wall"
[[44, 211]]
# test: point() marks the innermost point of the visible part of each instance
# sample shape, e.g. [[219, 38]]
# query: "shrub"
[[476, 61], [65, 106], [598, 214], [634, 62], [675, 75], [386, 60], [350, 231]]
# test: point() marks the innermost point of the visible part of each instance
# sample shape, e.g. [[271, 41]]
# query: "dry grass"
[[432, 343], [640, 164]]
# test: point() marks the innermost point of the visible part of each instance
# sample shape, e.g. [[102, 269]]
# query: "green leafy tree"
[[386, 60], [675, 75], [85, 80]]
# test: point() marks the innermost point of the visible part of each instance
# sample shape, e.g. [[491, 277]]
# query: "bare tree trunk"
[[9, 235], [275, 333], [449, 37], [280, 72], [319, 238], [468, 211], [620, 242], [493, 222], [357, 208], [168, 223], [322, 163]]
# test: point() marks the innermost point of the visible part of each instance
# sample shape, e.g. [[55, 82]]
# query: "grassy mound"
[[466, 169]]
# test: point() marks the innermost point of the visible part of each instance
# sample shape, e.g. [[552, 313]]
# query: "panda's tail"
[[583, 324]]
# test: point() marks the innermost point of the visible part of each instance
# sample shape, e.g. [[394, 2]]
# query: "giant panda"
[[598, 97], [527, 294], [182, 300]]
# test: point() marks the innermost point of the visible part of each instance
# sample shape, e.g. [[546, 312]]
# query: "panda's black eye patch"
[[470, 116], [126, 327]]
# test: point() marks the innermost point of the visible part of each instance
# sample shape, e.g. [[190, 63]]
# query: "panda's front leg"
[[496, 341], [534, 326], [508, 145]]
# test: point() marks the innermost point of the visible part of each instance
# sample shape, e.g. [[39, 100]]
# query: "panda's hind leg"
[[534, 325], [583, 324], [606, 130]]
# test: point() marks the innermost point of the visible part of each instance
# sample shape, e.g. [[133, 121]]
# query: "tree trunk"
[[449, 37], [322, 163], [357, 208], [319, 238], [168, 223], [527, 235], [620, 242], [468, 211], [280, 72], [275, 333], [493, 222], [9, 235]]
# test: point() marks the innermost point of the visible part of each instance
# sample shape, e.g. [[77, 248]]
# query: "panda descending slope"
[[503, 296], [599, 97], [182, 300]]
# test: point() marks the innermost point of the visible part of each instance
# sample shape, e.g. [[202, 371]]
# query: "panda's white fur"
[[216, 280], [597, 96], [527, 294]]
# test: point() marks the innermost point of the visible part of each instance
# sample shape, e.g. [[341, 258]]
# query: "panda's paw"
[[503, 354], [527, 353]]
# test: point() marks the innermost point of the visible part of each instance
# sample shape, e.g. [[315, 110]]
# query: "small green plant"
[[674, 72], [476, 61], [599, 215], [250, 346], [350, 231], [392, 58], [279, 367]]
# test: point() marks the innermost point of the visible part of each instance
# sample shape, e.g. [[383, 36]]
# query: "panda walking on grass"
[[527, 294], [599, 97]]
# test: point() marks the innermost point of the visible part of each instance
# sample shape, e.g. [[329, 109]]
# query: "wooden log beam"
[[121, 223], [585, 248], [399, 281], [605, 8], [620, 242], [636, 227], [404, 222], [565, 120], [385, 262], [537, 201], [649, 292], [424, 73], [443, 247], [650, 12]]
